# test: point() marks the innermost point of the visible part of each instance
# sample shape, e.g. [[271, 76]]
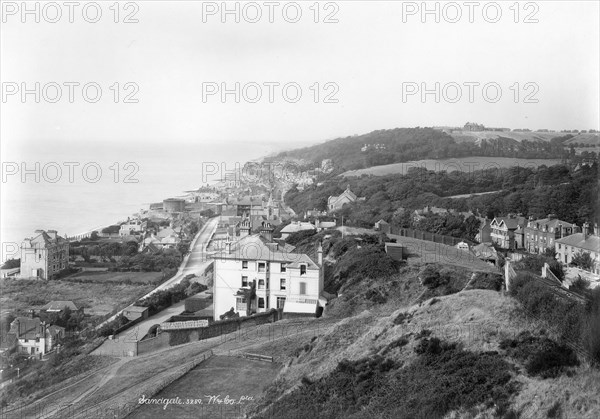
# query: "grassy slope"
[[479, 319]]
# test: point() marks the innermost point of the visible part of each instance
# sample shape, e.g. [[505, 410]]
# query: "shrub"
[[541, 356]]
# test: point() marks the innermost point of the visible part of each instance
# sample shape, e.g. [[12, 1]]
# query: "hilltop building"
[[44, 255], [280, 277], [584, 242], [335, 203]]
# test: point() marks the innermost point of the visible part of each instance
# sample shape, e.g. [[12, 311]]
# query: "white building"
[[570, 246], [34, 337], [44, 255], [282, 279], [130, 227]]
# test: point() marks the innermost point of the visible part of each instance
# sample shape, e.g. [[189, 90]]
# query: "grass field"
[[465, 165], [116, 277], [98, 298]]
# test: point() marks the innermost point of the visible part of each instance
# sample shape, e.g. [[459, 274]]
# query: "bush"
[[540, 355]]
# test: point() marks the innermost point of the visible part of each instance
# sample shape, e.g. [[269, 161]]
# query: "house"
[[540, 235], [335, 203], [44, 255], [294, 227], [485, 231], [280, 278], [503, 231], [33, 336], [60, 306], [382, 226], [134, 312], [131, 227], [462, 246], [486, 253], [569, 246], [324, 225]]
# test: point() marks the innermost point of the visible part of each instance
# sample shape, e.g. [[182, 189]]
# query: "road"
[[194, 262]]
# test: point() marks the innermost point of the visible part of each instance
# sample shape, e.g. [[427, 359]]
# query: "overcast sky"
[[170, 54]]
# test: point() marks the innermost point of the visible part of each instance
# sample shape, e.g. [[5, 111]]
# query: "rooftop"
[[590, 243]]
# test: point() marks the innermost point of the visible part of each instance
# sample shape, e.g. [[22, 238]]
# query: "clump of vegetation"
[[540, 355], [441, 379], [11, 264], [487, 281], [569, 319], [162, 299]]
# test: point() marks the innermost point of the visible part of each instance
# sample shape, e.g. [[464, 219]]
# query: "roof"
[[295, 227], [59, 306], [136, 309], [551, 222], [591, 243], [255, 247], [28, 328], [510, 222], [381, 222], [43, 240], [293, 307]]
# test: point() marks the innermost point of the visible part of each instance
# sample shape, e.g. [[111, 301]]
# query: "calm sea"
[[90, 199]]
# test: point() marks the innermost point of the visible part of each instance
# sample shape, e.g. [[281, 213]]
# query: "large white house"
[[44, 255], [281, 278]]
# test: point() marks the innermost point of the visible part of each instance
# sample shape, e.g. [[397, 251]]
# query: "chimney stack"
[[561, 231], [586, 228], [266, 231], [320, 254], [228, 247]]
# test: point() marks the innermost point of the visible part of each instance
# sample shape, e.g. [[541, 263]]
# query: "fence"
[[425, 235]]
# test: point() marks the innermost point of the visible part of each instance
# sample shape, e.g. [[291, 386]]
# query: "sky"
[[361, 67]]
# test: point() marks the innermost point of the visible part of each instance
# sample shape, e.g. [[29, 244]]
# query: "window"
[[283, 268], [244, 264], [261, 303], [261, 266], [302, 269], [282, 284], [244, 281], [261, 284], [302, 288], [280, 302]]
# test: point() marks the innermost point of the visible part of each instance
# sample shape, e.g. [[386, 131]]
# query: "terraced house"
[[268, 273], [44, 255], [584, 242], [540, 235]]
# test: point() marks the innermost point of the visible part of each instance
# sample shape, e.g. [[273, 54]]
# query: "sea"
[[75, 189]]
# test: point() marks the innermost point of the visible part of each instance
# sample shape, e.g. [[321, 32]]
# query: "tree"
[[11, 263], [583, 260]]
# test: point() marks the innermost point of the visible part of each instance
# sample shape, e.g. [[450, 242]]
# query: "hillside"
[[444, 357], [408, 144]]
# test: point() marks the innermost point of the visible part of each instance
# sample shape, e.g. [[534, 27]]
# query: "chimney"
[[320, 254], [31, 313], [561, 231], [586, 228], [266, 231], [228, 247]]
